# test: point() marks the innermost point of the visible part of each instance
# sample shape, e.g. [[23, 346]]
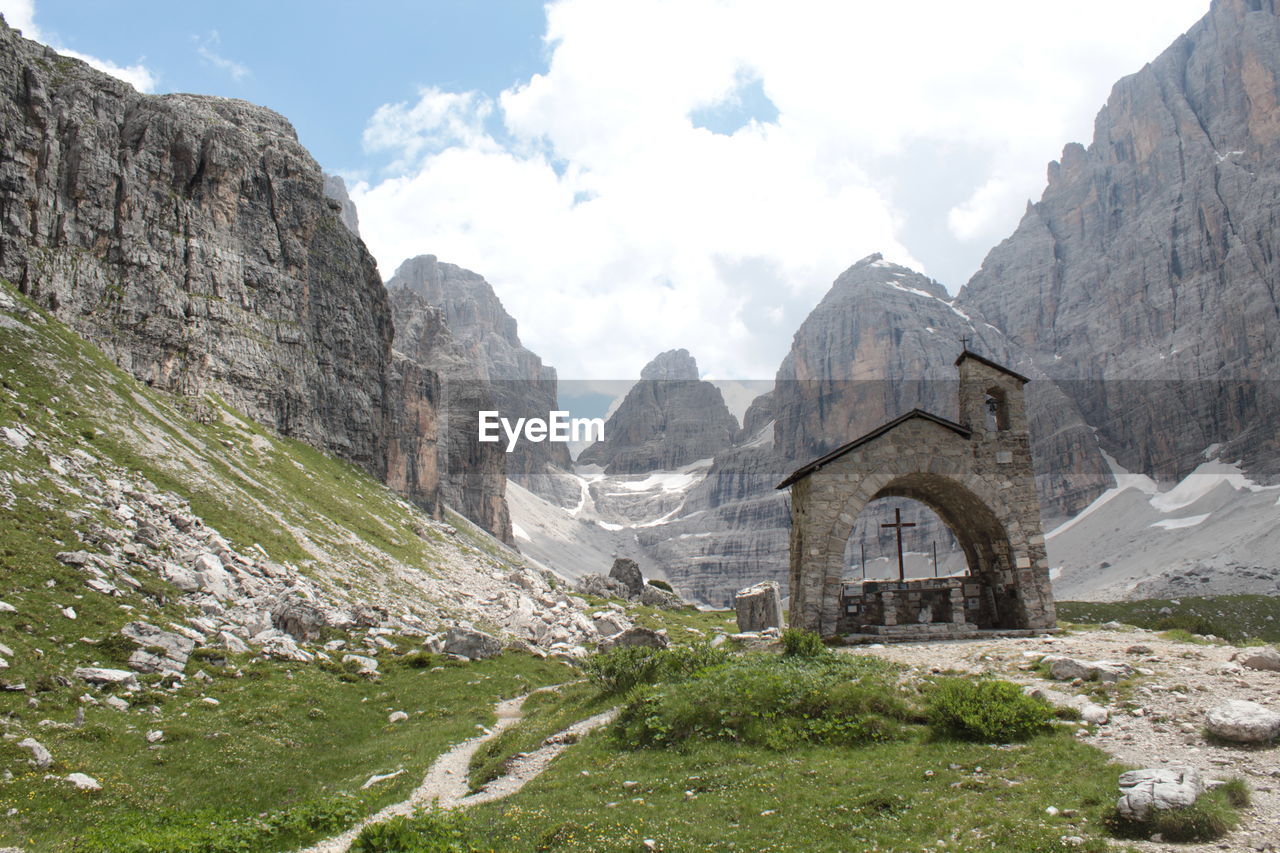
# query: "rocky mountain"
[[884, 341], [488, 350], [668, 419], [472, 474], [191, 238], [1145, 277], [335, 189]]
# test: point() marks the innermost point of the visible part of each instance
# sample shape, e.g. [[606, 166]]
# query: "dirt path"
[[1159, 723], [446, 781]]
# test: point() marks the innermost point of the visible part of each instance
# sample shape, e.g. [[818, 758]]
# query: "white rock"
[[102, 675], [40, 756], [6, 651], [1157, 788], [69, 612], [397, 717], [83, 782], [5, 607], [155, 736], [117, 703], [1243, 722], [232, 643], [366, 665], [15, 438], [209, 700]]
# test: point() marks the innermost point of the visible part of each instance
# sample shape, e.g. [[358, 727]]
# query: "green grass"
[[544, 714], [809, 799], [1235, 618], [221, 766]]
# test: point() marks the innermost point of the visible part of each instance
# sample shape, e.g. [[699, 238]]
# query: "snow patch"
[[1124, 482], [1179, 523], [519, 532], [1203, 480]]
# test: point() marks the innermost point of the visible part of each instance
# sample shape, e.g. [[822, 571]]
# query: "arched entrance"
[[985, 597]]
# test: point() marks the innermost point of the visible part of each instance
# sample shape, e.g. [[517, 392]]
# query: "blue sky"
[[634, 176], [327, 66]]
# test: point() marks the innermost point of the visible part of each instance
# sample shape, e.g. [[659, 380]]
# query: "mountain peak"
[[672, 364]]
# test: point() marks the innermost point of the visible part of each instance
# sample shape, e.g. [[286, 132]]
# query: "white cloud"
[[206, 47], [613, 228], [21, 14]]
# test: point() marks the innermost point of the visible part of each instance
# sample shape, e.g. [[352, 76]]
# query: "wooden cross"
[[898, 524]]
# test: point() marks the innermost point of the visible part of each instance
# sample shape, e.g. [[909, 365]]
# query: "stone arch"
[[974, 513]]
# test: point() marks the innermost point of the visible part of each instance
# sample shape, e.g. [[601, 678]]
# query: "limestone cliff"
[[1146, 274], [668, 419], [190, 238], [486, 340], [472, 474]]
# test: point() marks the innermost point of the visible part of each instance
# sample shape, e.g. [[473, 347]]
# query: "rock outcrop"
[[471, 473], [1145, 277], [335, 189], [190, 237], [485, 339], [668, 419]]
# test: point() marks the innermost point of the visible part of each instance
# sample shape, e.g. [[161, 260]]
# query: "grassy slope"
[[1236, 618], [284, 733], [726, 796]]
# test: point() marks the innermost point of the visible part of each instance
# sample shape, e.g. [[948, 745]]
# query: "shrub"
[[770, 701], [424, 832], [620, 669], [1210, 817], [797, 642], [660, 584], [987, 711], [420, 660]]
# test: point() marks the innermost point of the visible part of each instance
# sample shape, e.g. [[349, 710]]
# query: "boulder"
[[212, 577], [162, 651], [102, 676], [627, 572], [1243, 722], [1267, 659], [1069, 669], [652, 596], [296, 616], [284, 648], [365, 665], [758, 607], [181, 577], [397, 717], [40, 756], [470, 643], [1141, 791], [84, 782], [232, 643], [602, 587], [636, 636]]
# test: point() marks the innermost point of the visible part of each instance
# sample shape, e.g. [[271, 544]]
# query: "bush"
[[797, 642], [1210, 817], [987, 711], [620, 669], [770, 701], [420, 660], [659, 584], [424, 832]]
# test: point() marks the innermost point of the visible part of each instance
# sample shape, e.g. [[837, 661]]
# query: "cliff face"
[[485, 339], [191, 239], [1147, 271], [668, 419], [471, 473]]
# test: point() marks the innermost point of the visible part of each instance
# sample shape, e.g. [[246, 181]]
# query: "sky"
[[633, 177]]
